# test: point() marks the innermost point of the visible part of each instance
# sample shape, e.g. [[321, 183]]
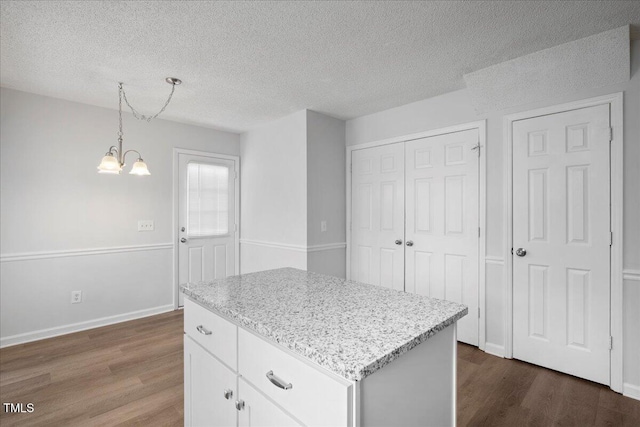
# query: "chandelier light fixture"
[[113, 160]]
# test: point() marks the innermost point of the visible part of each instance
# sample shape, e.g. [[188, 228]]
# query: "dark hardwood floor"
[[131, 374], [503, 392]]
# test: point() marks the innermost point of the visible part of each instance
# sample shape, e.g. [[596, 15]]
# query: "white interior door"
[[377, 210], [561, 218], [207, 218], [442, 240]]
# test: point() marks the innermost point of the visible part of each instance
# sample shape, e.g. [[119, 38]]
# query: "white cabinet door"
[[259, 411], [442, 222], [561, 219], [205, 382], [377, 206], [206, 220]]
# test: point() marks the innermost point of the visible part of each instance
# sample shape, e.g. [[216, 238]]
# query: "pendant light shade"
[[139, 168], [109, 164]]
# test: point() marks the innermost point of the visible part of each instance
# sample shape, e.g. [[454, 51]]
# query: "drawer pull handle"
[[278, 382], [203, 330]]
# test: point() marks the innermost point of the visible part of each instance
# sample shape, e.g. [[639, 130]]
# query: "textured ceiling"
[[246, 63]]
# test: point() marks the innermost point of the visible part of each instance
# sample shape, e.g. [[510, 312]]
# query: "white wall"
[[56, 210], [293, 177], [455, 108], [273, 195]]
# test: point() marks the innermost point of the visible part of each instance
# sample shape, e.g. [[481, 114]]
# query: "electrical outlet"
[[76, 297], [145, 225], [323, 226]]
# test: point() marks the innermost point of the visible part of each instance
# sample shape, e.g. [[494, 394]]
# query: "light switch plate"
[[145, 225]]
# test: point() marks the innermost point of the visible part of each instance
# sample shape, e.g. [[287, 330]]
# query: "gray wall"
[[455, 108], [57, 210], [326, 194]]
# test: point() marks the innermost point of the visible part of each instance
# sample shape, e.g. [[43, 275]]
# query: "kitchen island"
[[289, 347]]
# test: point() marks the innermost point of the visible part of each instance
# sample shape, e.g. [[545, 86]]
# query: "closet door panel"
[[442, 222], [377, 206]]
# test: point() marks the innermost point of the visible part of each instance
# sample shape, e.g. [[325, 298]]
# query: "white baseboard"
[[81, 326], [494, 349], [631, 390]]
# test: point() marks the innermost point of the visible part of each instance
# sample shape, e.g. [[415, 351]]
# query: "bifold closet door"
[[377, 215], [442, 222]]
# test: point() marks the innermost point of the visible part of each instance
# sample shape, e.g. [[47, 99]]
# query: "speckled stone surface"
[[349, 328]]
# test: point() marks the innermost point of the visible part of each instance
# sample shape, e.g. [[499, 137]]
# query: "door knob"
[[183, 240], [228, 394], [398, 242], [410, 243], [183, 229], [239, 405], [521, 252]]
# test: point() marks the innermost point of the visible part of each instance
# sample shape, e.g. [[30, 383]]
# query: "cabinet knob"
[[228, 394], [239, 405]]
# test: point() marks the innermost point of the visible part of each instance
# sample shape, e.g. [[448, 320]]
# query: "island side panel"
[[418, 388]]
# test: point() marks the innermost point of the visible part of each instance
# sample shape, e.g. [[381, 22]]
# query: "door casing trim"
[[481, 125], [176, 213], [615, 101]]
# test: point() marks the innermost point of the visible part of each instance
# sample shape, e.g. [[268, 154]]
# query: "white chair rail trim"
[[494, 260], [26, 256], [629, 274], [296, 248]]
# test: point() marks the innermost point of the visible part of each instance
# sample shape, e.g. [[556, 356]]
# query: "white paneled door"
[[207, 219], [377, 250], [442, 236], [561, 239], [415, 219]]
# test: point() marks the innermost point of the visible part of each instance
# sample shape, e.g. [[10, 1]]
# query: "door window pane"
[[207, 200]]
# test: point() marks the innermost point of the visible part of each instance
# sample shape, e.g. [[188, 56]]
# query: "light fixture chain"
[[139, 116], [120, 110]]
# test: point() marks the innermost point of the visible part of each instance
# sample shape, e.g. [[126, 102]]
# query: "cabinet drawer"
[[315, 398], [217, 335]]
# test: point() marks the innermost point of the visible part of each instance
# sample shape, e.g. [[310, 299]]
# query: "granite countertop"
[[352, 329]]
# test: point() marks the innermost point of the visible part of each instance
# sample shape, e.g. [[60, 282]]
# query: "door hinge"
[[478, 231], [610, 343], [610, 134], [611, 238], [478, 312]]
